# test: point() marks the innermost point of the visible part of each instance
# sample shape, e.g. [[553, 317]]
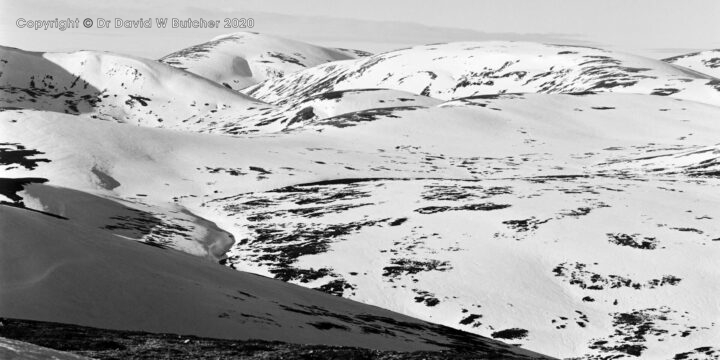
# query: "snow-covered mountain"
[[455, 70], [575, 219], [242, 59], [118, 88], [706, 62]]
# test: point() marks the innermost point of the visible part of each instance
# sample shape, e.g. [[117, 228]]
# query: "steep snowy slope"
[[572, 224], [162, 225], [145, 288], [454, 70], [118, 88], [706, 62], [242, 59]]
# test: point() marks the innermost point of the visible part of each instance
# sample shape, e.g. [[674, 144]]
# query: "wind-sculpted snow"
[[455, 70], [706, 62], [242, 59]]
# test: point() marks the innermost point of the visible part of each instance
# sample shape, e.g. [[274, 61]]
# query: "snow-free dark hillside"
[[242, 59], [54, 269], [706, 62], [118, 88], [455, 70]]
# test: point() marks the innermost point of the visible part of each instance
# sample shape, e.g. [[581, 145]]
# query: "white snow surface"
[[455, 70], [242, 59], [706, 62], [573, 219]]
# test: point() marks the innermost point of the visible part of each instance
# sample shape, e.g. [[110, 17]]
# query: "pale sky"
[[655, 28]]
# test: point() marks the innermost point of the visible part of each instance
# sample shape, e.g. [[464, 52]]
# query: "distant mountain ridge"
[[242, 59]]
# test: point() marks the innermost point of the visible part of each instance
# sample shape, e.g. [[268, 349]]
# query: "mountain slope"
[[145, 288], [575, 206], [706, 62], [118, 88], [242, 59], [455, 70]]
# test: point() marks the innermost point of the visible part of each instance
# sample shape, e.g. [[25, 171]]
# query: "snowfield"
[[564, 199], [707, 62], [242, 59]]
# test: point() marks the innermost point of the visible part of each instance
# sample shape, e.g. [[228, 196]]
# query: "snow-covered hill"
[[242, 59], [455, 70], [119, 88], [706, 62], [558, 197], [576, 219]]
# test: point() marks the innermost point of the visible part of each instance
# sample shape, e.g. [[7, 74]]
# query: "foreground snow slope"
[[706, 62], [573, 225], [454, 70], [242, 59], [146, 288]]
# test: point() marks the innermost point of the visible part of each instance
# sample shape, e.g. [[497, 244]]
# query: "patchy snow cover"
[[242, 59], [577, 225], [454, 70], [119, 88], [706, 62]]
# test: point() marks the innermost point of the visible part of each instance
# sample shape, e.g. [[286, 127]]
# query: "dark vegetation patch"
[[579, 318], [304, 114], [581, 211], [470, 319], [525, 225], [136, 98], [280, 247], [468, 207], [687, 229], [454, 192], [426, 297], [402, 267], [355, 118], [336, 287], [398, 222], [280, 234], [9, 187], [703, 352], [664, 91], [260, 170], [229, 171], [577, 274], [16, 154], [510, 334], [632, 330], [633, 241], [285, 58]]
